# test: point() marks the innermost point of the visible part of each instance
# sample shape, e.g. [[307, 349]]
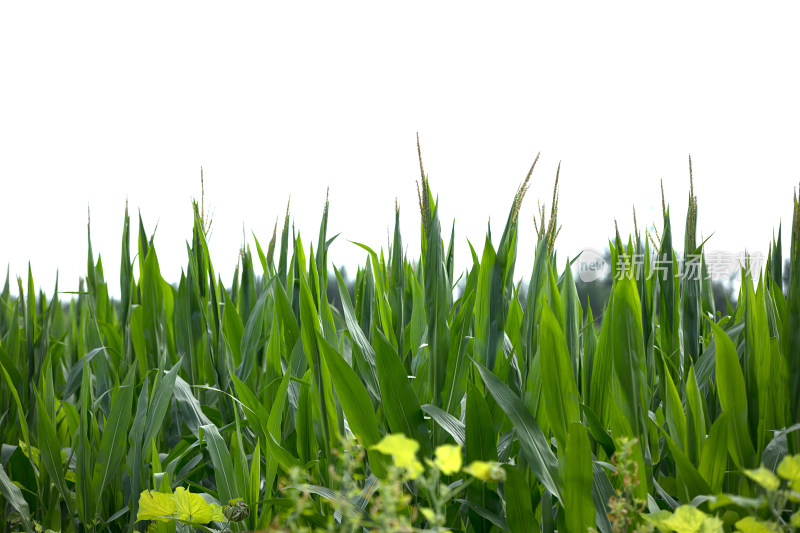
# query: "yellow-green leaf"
[[155, 506], [764, 477], [686, 519], [192, 507], [658, 518], [789, 469], [752, 525], [712, 524]]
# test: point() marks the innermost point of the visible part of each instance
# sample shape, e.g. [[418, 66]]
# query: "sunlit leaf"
[[789, 469], [156, 506], [193, 507], [764, 477]]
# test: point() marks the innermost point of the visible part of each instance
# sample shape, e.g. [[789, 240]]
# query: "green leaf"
[[695, 417], [159, 404], [20, 412], [685, 519], [156, 506], [517, 495], [733, 399], [627, 348], [789, 469], [534, 445], [310, 326], [437, 304], [403, 412], [764, 477], [494, 518], [251, 338], [358, 337], [750, 524], [489, 319], [223, 464], [714, 456], [560, 391], [676, 419], [193, 508], [13, 496], [50, 451], [577, 478], [688, 519], [448, 422], [481, 446], [355, 402], [115, 433]]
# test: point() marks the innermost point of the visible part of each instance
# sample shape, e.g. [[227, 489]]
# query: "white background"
[[103, 102]]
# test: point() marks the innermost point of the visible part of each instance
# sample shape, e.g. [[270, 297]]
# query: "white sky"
[[100, 102]]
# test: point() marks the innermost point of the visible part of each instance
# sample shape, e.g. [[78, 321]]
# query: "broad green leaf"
[[695, 417], [685, 519], [750, 524], [733, 399], [192, 507], [627, 348], [714, 456], [448, 422], [577, 478], [310, 327], [400, 404], [251, 338], [223, 464], [358, 337], [355, 402], [50, 451], [534, 445], [12, 494], [676, 419], [481, 448], [489, 319], [764, 477], [115, 433], [789, 469], [560, 390], [438, 298], [162, 395], [156, 506], [519, 510]]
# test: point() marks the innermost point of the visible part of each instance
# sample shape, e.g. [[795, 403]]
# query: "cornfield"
[[501, 406]]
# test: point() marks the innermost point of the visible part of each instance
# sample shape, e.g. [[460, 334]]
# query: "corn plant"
[[417, 398]]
